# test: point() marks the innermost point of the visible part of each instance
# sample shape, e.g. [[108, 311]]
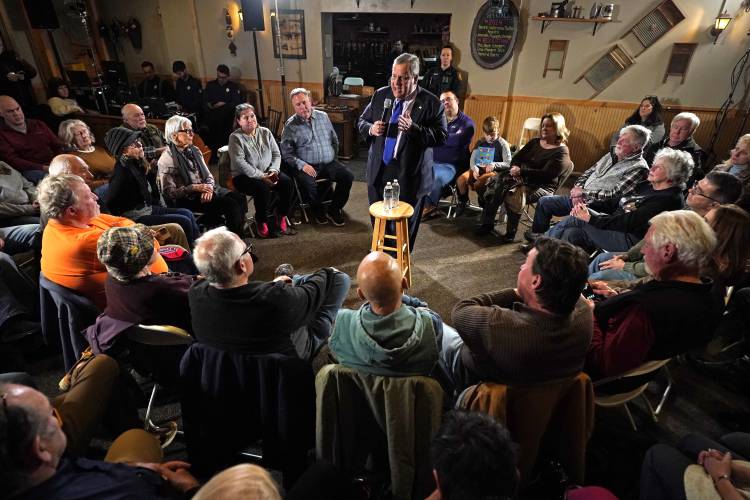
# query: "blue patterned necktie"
[[392, 132]]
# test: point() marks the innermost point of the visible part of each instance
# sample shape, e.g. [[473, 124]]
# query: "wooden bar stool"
[[400, 216]]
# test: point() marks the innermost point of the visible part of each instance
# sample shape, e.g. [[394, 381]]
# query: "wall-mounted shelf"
[[547, 20]]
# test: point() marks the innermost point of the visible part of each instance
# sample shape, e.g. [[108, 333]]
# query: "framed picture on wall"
[[289, 33]]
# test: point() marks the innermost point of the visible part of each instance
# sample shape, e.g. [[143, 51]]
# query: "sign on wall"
[[494, 33]]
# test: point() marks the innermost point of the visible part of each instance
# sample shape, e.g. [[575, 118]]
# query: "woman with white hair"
[[616, 225], [669, 315], [186, 182], [78, 139], [738, 164]]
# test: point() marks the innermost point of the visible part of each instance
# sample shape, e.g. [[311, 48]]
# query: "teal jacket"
[[400, 344]]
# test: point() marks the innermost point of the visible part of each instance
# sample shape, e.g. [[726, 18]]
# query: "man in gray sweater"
[[615, 175], [537, 332]]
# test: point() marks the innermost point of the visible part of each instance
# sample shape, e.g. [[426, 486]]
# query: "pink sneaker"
[[286, 228], [263, 231]]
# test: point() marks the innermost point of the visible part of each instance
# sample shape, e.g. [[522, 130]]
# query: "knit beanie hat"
[[118, 138], [125, 251]]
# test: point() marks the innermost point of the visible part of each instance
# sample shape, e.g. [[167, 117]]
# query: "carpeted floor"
[[450, 263]]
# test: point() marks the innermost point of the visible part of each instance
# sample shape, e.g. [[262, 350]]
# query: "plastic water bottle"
[[388, 197], [396, 192]]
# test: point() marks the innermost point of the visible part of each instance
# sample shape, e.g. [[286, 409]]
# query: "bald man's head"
[[70, 164], [133, 116], [380, 281], [11, 112]]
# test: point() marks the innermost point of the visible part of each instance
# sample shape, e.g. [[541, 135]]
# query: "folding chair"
[[642, 375], [526, 218], [299, 200]]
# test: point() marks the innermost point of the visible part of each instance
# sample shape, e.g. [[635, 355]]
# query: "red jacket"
[[30, 151]]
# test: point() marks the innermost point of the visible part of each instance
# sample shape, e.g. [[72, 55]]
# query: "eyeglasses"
[[188, 131], [401, 79], [249, 248], [695, 189]]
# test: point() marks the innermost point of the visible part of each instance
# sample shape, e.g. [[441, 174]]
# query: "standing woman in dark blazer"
[[133, 192]]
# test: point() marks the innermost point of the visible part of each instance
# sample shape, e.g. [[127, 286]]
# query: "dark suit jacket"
[[414, 154]]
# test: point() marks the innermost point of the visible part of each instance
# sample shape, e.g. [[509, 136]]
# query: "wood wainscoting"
[[591, 123]]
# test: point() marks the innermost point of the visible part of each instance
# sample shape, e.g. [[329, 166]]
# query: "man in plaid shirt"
[[309, 146], [615, 175]]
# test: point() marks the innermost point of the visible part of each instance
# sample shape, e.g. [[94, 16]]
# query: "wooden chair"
[[202, 147], [274, 121]]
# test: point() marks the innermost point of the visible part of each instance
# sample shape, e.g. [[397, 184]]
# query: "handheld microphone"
[[386, 107]]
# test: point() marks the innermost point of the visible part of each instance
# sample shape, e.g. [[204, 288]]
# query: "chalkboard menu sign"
[[494, 33]]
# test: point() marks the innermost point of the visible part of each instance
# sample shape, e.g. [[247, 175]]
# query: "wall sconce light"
[[720, 24], [240, 16]]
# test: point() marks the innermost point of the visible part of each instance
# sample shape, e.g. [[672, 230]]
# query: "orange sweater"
[[69, 256]]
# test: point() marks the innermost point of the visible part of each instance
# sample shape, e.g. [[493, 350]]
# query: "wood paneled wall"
[[591, 123], [274, 97]]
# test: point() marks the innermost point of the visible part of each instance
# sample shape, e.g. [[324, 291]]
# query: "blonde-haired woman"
[[244, 481], [534, 172], [738, 164]]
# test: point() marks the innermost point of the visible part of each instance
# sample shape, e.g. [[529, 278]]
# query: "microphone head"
[[387, 103]]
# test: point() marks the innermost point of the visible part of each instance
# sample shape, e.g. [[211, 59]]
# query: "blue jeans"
[[450, 361], [444, 174], [549, 206], [590, 238], [311, 337], [607, 274], [101, 193], [34, 176], [181, 216], [18, 239]]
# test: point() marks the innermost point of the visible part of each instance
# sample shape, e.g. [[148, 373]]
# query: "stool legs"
[[401, 248], [378, 235], [403, 254]]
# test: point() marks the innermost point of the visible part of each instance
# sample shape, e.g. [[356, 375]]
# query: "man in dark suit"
[[402, 138]]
